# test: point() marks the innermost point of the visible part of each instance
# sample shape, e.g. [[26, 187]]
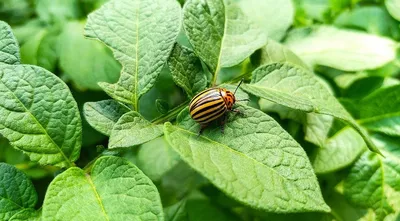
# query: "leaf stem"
[[170, 114]]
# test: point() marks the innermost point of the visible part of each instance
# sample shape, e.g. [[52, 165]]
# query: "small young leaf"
[[156, 157], [186, 70], [84, 61], [38, 115], [16, 192], [27, 215], [131, 130], [220, 33], [338, 151], [103, 115], [393, 6], [141, 34], [299, 89], [114, 190], [162, 106], [9, 50], [341, 49], [250, 162], [380, 111], [274, 17]]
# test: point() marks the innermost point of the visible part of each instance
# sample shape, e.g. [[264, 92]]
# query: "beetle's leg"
[[223, 123], [202, 127]]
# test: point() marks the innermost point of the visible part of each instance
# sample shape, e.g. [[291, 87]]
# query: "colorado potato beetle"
[[212, 104]]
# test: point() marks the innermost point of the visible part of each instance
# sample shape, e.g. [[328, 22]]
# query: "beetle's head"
[[229, 98]]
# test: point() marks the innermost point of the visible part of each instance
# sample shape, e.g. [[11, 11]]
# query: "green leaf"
[[187, 70], [274, 17], [140, 42], [374, 181], [114, 190], [162, 106], [156, 157], [380, 111], [9, 50], [196, 211], [95, 62], [38, 115], [27, 215], [58, 10], [299, 89], [131, 130], [338, 151], [341, 49], [393, 6], [253, 146], [222, 36], [16, 192], [103, 115], [41, 49], [372, 19], [274, 52]]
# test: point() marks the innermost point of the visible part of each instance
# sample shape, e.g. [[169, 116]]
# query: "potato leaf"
[[255, 161], [9, 50], [17, 192], [112, 181], [341, 49], [131, 130], [141, 34], [222, 36], [103, 115], [299, 89]]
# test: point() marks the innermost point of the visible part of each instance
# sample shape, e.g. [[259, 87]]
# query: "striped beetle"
[[212, 104]]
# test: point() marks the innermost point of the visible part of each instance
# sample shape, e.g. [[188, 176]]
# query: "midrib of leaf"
[[70, 164], [97, 195], [214, 79], [136, 101]]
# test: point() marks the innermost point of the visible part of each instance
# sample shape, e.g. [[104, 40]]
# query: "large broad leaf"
[[86, 62], [131, 130], [220, 33], [393, 6], [141, 34], [16, 192], [156, 157], [9, 51], [380, 111], [114, 190], [341, 49], [186, 70], [299, 89], [38, 115], [374, 181], [103, 115], [338, 151], [255, 161], [274, 17]]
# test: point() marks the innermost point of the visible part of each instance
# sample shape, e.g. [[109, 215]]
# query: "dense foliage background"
[[322, 77]]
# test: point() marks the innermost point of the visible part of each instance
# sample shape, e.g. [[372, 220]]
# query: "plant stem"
[[171, 114]]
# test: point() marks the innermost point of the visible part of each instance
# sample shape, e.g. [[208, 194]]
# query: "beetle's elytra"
[[212, 104]]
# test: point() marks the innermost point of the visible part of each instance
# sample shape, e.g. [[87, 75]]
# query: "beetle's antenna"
[[238, 86]]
